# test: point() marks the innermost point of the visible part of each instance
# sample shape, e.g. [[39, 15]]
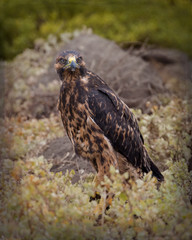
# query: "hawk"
[[99, 124]]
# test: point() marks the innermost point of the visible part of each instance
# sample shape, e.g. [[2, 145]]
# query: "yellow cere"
[[71, 58]]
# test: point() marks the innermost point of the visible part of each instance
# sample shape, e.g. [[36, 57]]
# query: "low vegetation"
[[38, 204]]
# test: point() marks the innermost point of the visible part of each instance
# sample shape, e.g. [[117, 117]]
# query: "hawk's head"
[[69, 62]]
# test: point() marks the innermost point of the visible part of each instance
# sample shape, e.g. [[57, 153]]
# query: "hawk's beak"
[[72, 63]]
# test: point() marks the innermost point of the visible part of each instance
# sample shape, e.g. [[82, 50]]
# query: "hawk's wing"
[[118, 124]]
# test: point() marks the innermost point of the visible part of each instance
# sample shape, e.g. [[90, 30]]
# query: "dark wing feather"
[[118, 124], [122, 109]]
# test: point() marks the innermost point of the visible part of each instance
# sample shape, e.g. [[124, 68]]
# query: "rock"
[[139, 77], [60, 153], [173, 66], [130, 76]]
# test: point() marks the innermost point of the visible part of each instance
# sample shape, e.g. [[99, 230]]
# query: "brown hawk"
[[99, 124]]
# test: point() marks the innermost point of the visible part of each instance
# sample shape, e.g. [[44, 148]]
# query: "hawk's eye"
[[62, 61], [79, 59]]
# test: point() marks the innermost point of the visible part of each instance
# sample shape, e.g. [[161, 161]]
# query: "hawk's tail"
[[152, 167], [156, 172]]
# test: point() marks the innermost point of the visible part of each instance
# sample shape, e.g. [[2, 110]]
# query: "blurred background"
[[166, 23]]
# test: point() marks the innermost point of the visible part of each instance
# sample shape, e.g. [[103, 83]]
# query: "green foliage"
[[166, 23]]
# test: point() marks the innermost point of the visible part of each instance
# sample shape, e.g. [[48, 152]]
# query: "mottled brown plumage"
[[99, 124]]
